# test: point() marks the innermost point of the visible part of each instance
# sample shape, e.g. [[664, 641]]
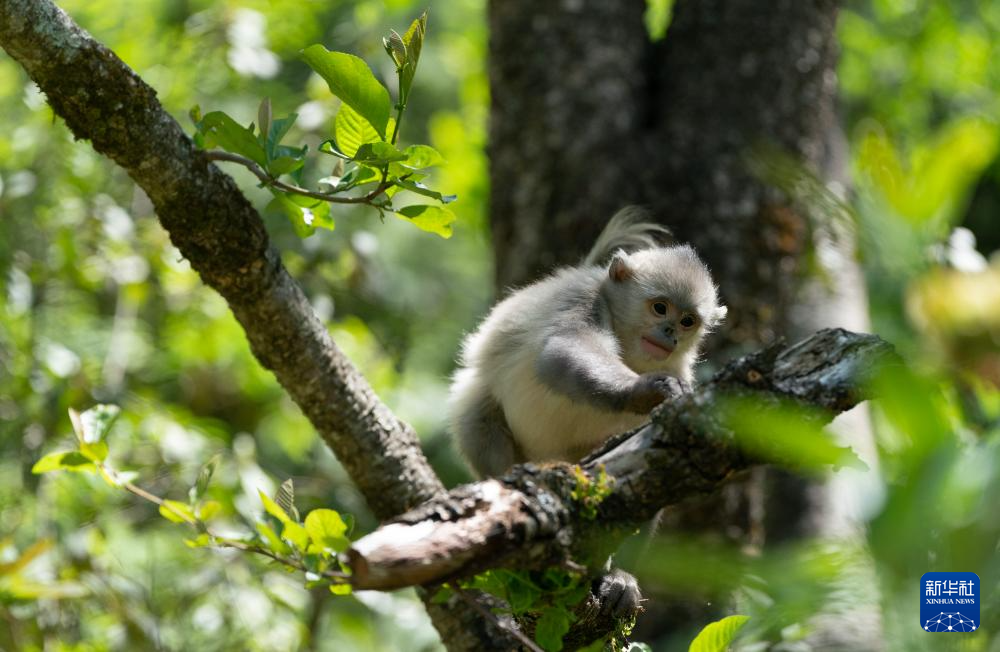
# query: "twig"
[[492, 617], [268, 180], [221, 542]]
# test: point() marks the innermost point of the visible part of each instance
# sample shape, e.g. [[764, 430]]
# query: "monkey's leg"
[[485, 439]]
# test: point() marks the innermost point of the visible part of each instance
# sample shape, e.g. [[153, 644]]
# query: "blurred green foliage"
[[97, 306], [920, 90]]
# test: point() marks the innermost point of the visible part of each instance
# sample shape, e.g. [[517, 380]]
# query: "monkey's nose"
[[668, 335]]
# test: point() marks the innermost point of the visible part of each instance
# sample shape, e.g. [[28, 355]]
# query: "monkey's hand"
[[618, 593], [652, 389]]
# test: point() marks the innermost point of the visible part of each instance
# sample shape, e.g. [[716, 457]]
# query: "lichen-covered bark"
[[222, 236]]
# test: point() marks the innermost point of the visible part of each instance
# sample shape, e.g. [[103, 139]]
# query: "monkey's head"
[[663, 302]]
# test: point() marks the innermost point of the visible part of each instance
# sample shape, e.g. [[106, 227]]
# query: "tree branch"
[[268, 180], [528, 519]]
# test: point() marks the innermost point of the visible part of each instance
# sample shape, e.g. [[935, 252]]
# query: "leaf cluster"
[[364, 144]]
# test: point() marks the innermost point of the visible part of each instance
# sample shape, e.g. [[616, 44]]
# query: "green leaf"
[[97, 452], [413, 39], [327, 530], [274, 509], [340, 589], [296, 535], [204, 477], [272, 540], [350, 79], [434, 219], [717, 636], [788, 434], [352, 131], [395, 47], [442, 596], [264, 117], [176, 511], [657, 18], [208, 509], [357, 176], [63, 461], [378, 154], [283, 204], [422, 156], [200, 541], [331, 147], [285, 498], [277, 130], [284, 165], [421, 189], [222, 130], [551, 627], [305, 213]]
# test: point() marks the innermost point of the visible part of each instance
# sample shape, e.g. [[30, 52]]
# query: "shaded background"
[[96, 306]]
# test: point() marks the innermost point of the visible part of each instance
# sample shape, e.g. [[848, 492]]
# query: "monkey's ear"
[[619, 270], [720, 314]]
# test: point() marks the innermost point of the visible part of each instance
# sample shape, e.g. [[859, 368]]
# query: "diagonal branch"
[[528, 519], [219, 232]]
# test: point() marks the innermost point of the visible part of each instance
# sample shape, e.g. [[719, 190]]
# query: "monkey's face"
[[663, 303]]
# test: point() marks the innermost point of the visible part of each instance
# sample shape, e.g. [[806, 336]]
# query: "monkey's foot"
[[618, 593]]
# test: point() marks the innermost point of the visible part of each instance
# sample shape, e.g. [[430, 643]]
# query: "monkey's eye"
[[659, 307], [687, 321]]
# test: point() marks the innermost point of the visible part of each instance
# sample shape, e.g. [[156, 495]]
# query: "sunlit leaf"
[[378, 154], [296, 535], [176, 511], [208, 509], [351, 131], [272, 540], [350, 79], [421, 189], [274, 509], [435, 219], [718, 636], [786, 434], [327, 529], [63, 461], [422, 156], [199, 541]]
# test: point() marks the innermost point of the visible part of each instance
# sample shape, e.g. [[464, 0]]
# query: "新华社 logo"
[[949, 602]]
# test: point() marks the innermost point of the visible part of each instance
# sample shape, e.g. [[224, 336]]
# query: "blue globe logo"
[[949, 621]]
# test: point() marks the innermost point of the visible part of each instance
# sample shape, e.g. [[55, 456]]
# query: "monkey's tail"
[[630, 229]]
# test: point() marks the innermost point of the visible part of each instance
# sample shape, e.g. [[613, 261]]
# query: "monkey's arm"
[[584, 365]]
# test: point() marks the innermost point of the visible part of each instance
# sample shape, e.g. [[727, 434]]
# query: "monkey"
[[562, 364], [566, 362]]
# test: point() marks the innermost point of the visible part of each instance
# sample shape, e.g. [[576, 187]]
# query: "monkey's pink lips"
[[654, 349]]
